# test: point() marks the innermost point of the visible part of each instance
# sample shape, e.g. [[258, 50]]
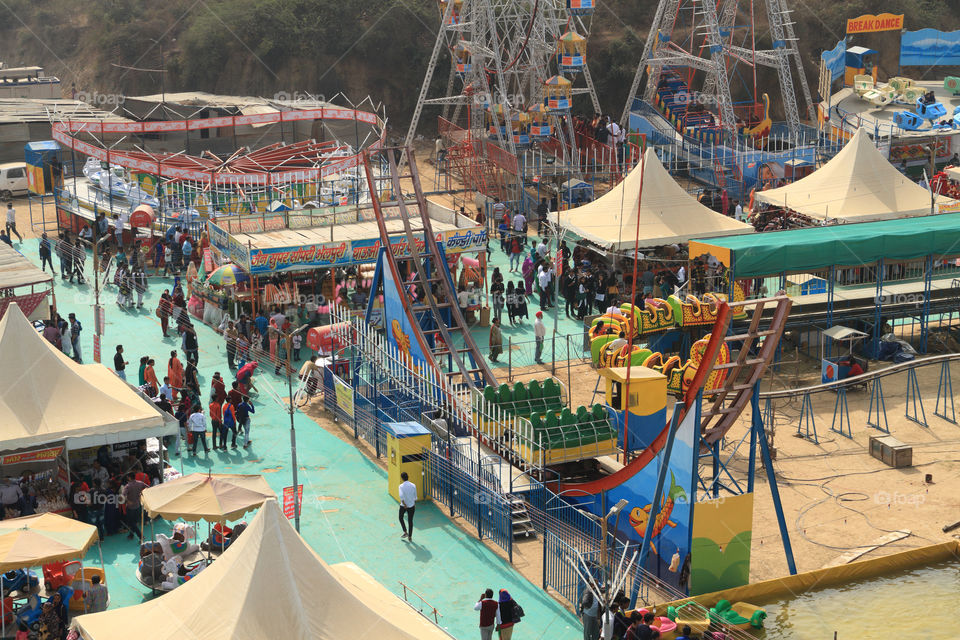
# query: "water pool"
[[914, 603]]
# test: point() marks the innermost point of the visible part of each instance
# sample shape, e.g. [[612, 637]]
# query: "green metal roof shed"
[[774, 252]]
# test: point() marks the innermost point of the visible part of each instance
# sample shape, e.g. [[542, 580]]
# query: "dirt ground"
[[838, 501]]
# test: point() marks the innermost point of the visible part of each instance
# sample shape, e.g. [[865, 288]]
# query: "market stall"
[[57, 416], [270, 584]]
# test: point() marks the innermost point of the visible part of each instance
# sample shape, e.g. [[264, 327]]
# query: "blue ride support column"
[[841, 412], [772, 480], [914, 399], [876, 402], [832, 278], [754, 418], [945, 392]]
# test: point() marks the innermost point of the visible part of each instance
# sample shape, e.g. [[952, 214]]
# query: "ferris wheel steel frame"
[[713, 51], [512, 46]]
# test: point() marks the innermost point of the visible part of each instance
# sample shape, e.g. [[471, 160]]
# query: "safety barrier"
[[467, 497]]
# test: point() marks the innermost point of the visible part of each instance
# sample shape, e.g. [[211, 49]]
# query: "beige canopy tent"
[[268, 584], [856, 185], [668, 214], [47, 397], [41, 539], [203, 496]]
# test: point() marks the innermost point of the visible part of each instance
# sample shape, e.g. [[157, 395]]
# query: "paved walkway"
[[347, 514]]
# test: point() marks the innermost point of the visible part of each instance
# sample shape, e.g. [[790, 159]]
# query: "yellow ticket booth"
[[407, 447]]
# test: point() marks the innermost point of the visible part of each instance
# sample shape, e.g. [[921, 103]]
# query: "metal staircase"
[[520, 517], [440, 327]]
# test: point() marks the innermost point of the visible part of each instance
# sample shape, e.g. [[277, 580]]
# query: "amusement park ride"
[[702, 102], [514, 66]]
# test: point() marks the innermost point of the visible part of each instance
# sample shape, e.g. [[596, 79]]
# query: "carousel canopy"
[[856, 185], [40, 539], [668, 214], [268, 584], [203, 496], [47, 397]]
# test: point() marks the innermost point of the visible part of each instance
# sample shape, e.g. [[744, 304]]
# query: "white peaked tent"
[[47, 397], [668, 214], [268, 584], [856, 185]]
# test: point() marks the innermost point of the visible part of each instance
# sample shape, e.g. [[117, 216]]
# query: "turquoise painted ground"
[[347, 513]]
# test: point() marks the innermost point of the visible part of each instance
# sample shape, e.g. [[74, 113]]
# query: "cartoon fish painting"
[[640, 516], [401, 338]]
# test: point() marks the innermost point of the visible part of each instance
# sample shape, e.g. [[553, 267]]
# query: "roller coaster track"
[[435, 321], [863, 378], [722, 405]]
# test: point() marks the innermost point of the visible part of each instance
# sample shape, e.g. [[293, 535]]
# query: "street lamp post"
[[292, 408]]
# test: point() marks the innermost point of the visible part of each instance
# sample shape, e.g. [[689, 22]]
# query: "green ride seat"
[[521, 405], [535, 397], [490, 394], [567, 418], [505, 395], [599, 412]]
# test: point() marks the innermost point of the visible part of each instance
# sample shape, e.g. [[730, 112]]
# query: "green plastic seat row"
[[523, 399], [566, 429]]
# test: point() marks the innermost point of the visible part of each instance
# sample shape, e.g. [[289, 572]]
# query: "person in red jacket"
[[216, 423], [489, 614]]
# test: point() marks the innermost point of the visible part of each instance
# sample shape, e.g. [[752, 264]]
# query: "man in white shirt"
[[12, 222], [99, 472], [738, 212], [619, 343], [540, 333], [198, 427], [519, 223], [543, 249], [498, 210], [166, 390], [11, 497], [543, 279], [408, 503]]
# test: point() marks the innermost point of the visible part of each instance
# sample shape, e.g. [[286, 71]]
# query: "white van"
[[13, 179]]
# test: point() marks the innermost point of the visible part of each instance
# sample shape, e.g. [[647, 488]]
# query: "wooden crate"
[[891, 451]]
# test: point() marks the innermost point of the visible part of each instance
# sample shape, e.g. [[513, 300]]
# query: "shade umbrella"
[[41, 539], [227, 275], [204, 496]]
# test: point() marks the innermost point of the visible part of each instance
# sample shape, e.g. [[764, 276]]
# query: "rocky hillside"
[[374, 47]]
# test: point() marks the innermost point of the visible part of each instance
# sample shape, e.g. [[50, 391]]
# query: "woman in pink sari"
[[527, 271]]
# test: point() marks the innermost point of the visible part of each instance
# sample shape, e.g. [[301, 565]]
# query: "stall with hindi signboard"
[[305, 270]]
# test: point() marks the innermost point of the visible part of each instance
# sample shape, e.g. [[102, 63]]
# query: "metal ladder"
[[723, 405], [466, 367]]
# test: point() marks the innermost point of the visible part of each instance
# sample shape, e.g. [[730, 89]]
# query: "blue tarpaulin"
[[929, 48]]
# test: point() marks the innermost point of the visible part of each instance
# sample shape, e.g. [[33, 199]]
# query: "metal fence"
[[467, 496]]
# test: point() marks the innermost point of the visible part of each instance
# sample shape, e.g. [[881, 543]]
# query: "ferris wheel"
[[515, 67]]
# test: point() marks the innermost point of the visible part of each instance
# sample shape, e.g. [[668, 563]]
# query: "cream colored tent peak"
[[47, 397], [214, 497], [857, 185], [268, 584], [668, 214]]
